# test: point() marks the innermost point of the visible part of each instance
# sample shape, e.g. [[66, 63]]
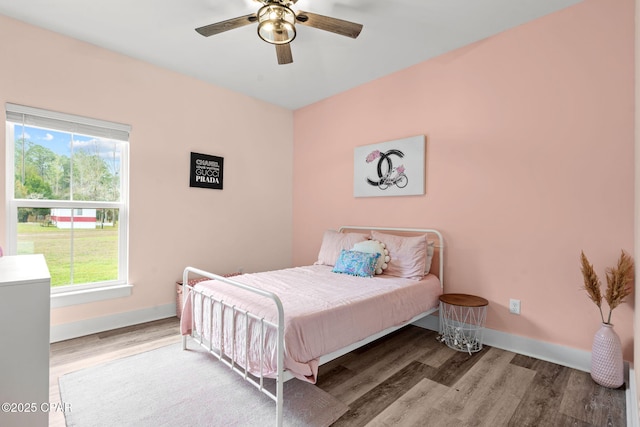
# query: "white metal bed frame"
[[282, 375]]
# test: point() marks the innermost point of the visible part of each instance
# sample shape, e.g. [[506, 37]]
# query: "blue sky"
[[60, 142]]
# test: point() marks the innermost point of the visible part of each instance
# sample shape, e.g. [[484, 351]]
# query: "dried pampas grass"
[[619, 282], [591, 282]]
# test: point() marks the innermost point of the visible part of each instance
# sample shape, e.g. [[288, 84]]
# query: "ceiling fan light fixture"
[[276, 24]]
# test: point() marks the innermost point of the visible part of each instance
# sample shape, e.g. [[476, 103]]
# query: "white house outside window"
[[67, 196]]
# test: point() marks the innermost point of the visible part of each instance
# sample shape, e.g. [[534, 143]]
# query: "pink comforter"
[[324, 312]]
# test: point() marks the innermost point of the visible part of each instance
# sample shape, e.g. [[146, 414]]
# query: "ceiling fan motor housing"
[[276, 23]]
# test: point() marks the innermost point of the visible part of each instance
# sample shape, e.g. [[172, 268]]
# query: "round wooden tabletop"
[[463, 300]]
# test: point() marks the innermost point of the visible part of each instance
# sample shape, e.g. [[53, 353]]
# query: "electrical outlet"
[[514, 306]]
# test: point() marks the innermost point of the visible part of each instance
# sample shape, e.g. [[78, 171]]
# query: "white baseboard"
[[555, 353], [120, 320], [632, 398]]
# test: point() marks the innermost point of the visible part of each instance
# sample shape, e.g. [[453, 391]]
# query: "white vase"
[[607, 367]]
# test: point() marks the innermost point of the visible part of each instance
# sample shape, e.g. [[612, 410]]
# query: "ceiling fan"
[[276, 25]]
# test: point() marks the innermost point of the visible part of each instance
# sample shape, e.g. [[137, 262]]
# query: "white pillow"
[[372, 247]]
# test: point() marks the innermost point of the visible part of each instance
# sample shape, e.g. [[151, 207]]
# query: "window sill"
[[65, 299]]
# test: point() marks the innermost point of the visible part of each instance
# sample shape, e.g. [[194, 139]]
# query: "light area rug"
[[172, 387]]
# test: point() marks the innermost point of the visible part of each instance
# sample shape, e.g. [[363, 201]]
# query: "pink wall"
[[530, 143], [171, 225]]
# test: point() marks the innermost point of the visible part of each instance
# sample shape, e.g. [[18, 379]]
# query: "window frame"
[[86, 292]]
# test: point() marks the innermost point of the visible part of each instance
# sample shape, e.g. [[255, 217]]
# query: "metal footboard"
[[220, 353]]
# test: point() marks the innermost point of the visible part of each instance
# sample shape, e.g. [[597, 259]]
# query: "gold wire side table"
[[462, 319]]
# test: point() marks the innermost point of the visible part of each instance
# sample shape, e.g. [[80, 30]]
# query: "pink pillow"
[[408, 254], [334, 242]]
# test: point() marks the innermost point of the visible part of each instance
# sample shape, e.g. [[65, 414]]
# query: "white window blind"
[[31, 116]]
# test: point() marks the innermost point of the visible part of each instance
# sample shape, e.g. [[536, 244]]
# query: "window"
[[67, 196]]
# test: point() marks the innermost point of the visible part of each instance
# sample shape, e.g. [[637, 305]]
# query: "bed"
[[283, 324]]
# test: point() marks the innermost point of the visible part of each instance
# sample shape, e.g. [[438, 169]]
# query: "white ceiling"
[[396, 35]]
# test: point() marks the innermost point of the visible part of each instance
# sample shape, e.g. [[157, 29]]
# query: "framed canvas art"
[[392, 168]]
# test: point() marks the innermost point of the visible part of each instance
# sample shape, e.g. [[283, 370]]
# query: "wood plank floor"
[[405, 379], [411, 379]]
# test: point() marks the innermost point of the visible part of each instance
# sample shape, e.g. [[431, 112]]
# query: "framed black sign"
[[206, 171]]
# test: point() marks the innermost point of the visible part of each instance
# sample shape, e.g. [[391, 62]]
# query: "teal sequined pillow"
[[356, 263]]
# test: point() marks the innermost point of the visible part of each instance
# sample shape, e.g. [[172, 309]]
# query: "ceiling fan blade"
[[229, 24], [283, 52], [326, 23]]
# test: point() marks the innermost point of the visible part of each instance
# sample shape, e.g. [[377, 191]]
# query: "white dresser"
[[24, 340]]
